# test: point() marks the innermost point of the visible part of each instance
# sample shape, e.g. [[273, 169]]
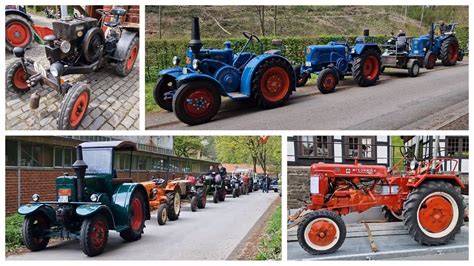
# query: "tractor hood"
[[349, 170], [317, 52]]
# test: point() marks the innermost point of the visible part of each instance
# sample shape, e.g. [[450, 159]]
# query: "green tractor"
[[89, 204], [215, 186]]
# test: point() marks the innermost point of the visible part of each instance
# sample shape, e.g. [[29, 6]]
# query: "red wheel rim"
[[19, 79], [329, 81], [453, 53], [137, 215], [322, 233], [436, 214], [432, 59], [275, 84], [18, 34], [371, 67], [79, 109], [132, 57], [98, 234], [198, 103]]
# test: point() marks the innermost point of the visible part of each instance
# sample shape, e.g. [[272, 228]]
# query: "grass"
[[13, 232], [270, 246], [150, 105]]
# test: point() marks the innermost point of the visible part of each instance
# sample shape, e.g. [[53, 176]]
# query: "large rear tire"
[[433, 213], [94, 235], [366, 68], [136, 218], [174, 205], [321, 232], [163, 85], [449, 51], [34, 230], [125, 67], [18, 32], [74, 106]]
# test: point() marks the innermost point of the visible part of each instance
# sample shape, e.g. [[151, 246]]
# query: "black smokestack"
[[195, 43], [80, 167], [366, 33]]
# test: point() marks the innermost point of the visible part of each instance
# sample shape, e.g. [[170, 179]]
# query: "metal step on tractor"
[[79, 45], [425, 194], [90, 203], [193, 91], [334, 61]]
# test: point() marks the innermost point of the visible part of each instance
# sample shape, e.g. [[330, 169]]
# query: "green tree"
[[188, 146]]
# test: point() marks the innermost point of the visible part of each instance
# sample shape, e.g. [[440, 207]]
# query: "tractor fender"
[[173, 72], [121, 203], [197, 76], [19, 13], [359, 48], [251, 68], [33, 208], [124, 42], [429, 177], [88, 210]]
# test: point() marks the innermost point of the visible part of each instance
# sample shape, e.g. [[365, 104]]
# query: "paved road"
[[208, 234], [114, 101], [429, 101]]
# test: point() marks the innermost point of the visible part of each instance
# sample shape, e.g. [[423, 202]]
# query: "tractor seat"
[[273, 51], [158, 181], [50, 38], [119, 181]]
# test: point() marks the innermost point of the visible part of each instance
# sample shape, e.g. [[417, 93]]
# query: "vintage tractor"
[[232, 184], [78, 46], [444, 46], [397, 55], [89, 204], [427, 196], [334, 61], [215, 186], [194, 90]]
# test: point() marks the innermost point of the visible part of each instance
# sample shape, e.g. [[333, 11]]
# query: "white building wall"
[[290, 157]]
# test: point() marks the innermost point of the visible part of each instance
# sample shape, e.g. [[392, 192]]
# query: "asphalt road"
[[208, 234], [430, 101]]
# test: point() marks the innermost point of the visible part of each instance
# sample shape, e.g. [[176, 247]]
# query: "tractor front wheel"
[[391, 216], [321, 232], [430, 60], [273, 83], [433, 213], [94, 235], [196, 102], [34, 231], [215, 197], [162, 214], [327, 81], [124, 67], [202, 198], [16, 77], [18, 32], [73, 108], [136, 218], [164, 84], [366, 68], [194, 202], [174, 207], [301, 78], [449, 51], [221, 194]]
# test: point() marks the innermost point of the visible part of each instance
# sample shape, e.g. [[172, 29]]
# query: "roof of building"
[[117, 145], [233, 166]]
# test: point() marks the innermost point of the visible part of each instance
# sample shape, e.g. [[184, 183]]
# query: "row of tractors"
[[97, 199], [424, 194], [193, 91], [78, 43]]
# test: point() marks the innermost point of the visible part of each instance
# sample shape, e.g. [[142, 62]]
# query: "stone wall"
[[298, 186]]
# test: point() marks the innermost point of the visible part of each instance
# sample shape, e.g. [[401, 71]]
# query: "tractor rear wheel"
[[162, 214], [273, 83], [136, 218], [327, 81], [449, 51], [34, 230], [221, 194], [194, 202], [16, 77], [202, 198], [301, 79], [414, 70], [126, 66], [215, 197], [196, 102], [430, 60], [433, 213], [18, 32], [174, 205], [366, 68], [391, 216], [73, 108], [94, 235], [321, 232], [163, 85]]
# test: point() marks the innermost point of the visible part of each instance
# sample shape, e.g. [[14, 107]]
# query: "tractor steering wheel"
[[250, 37]]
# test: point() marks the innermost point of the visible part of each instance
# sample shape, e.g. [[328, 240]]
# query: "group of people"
[[222, 171]]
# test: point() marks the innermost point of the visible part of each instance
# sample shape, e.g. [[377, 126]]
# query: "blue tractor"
[[194, 91], [444, 46], [334, 61]]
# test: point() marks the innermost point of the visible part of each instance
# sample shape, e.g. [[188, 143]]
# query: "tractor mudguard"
[[19, 13], [197, 76], [174, 72], [411, 61], [38, 207], [449, 178], [123, 44], [88, 210], [251, 67], [359, 48], [121, 204]]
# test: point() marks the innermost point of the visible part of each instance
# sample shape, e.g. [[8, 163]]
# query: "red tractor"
[[426, 195]]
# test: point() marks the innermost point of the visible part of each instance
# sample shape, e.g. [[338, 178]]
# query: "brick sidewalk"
[[114, 100]]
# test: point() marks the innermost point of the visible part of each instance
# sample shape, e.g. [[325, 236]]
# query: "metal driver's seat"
[[117, 13]]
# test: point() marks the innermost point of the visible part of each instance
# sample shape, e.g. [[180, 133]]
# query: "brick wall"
[[298, 185]]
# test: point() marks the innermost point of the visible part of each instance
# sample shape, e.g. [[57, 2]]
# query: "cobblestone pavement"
[[114, 103]]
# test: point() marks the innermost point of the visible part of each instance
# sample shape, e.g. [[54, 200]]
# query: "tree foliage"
[[188, 146]]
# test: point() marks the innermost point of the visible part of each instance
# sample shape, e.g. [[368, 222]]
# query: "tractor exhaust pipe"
[[195, 43], [80, 167], [435, 154], [366, 33]]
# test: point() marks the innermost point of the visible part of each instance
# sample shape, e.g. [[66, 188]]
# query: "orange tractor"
[[166, 196], [426, 195]]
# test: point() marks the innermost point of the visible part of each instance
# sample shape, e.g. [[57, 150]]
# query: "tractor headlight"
[[196, 64], [413, 165], [35, 197], [424, 49], [56, 69], [353, 50], [65, 47], [175, 61], [94, 197]]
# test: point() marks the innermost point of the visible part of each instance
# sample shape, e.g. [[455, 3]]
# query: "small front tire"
[[94, 235], [74, 106]]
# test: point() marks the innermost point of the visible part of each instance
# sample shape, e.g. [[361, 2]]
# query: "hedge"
[[160, 52]]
